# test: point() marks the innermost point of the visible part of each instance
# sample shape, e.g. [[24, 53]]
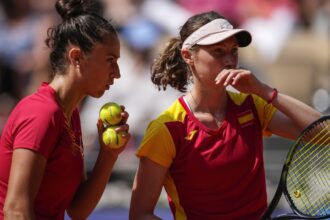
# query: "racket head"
[[306, 172]]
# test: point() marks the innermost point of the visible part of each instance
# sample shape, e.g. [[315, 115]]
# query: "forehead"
[[109, 46], [229, 42]]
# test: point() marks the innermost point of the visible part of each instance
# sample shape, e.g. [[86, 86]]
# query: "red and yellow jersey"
[[213, 174]]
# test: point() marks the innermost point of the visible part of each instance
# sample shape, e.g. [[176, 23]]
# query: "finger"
[[231, 76], [124, 116], [242, 74], [221, 77], [122, 128], [125, 135], [237, 76], [232, 73], [122, 107], [100, 126]]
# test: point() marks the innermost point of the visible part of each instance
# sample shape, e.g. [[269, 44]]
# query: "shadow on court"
[[122, 214]]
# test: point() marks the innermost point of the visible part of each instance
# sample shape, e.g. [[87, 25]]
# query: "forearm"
[[27, 171], [140, 209], [300, 113], [17, 211], [91, 190], [147, 186]]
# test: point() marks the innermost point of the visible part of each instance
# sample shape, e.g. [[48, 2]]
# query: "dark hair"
[[82, 26], [170, 68]]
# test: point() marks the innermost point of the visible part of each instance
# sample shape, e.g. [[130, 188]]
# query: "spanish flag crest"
[[245, 118]]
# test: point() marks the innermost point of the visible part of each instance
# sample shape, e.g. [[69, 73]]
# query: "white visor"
[[217, 31]]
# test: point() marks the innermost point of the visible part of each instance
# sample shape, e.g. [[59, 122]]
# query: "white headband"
[[216, 31]]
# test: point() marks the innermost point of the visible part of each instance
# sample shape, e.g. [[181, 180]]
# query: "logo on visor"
[[226, 26]]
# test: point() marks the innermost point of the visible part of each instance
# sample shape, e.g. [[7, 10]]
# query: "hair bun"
[[72, 8]]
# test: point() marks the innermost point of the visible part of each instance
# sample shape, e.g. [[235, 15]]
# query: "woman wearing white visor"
[[206, 149]]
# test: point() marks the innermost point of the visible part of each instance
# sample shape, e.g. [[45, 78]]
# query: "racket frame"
[[281, 188]]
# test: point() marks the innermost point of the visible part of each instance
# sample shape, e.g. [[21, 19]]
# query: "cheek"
[[236, 60], [204, 63], [97, 73]]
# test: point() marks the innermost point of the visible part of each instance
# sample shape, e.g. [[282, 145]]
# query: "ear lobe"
[[74, 56], [187, 56]]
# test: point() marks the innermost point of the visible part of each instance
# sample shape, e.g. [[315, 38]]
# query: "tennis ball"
[[110, 113], [112, 139]]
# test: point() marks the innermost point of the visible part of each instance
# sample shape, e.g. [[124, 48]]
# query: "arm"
[[147, 186], [91, 189], [293, 115], [26, 173]]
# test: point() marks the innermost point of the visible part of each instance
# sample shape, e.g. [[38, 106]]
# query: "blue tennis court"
[[122, 214]]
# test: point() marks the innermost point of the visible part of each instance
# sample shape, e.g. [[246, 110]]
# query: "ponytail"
[[170, 68]]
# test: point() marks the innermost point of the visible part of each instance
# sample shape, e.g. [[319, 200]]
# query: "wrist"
[[272, 96], [110, 154]]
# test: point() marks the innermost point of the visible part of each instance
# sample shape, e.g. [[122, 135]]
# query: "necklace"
[[217, 121], [68, 128]]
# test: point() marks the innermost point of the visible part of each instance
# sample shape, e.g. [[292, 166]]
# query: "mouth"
[[109, 84]]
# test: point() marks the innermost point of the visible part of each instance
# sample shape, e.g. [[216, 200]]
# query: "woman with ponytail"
[[206, 149], [41, 151]]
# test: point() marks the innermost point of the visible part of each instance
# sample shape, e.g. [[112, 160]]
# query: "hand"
[[241, 79], [122, 129]]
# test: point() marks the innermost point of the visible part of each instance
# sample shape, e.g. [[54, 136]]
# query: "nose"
[[115, 73], [229, 61]]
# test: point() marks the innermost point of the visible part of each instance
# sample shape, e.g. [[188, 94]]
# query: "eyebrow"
[[113, 55], [223, 44]]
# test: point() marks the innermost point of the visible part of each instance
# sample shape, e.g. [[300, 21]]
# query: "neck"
[[210, 109], [208, 102], [66, 94]]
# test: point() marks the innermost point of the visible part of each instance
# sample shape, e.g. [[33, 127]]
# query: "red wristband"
[[274, 95]]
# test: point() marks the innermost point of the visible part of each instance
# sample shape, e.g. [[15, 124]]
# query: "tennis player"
[[206, 149], [41, 150]]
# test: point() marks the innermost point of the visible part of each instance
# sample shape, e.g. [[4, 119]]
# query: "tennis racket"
[[305, 177]]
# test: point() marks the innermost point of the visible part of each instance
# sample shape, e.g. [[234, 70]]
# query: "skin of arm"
[[147, 186], [288, 122], [293, 115], [26, 173], [91, 189]]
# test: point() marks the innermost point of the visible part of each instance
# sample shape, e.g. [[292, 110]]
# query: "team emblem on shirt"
[[190, 135], [245, 118]]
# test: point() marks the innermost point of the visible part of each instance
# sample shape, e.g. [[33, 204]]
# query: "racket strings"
[[308, 181], [306, 147], [317, 157], [314, 195], [300, 158]]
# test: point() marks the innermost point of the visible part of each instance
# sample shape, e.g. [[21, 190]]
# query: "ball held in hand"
[[111, 138], [110, 113]]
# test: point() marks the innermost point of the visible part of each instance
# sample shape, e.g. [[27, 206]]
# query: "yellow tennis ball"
[[110, 113], [111, 138]]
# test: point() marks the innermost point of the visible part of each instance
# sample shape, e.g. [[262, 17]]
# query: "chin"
[[98, 94]]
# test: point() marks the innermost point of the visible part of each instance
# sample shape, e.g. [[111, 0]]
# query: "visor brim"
[[243, 37]]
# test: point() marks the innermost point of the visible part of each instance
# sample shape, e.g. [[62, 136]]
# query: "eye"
[[219, 51], [235, 51], [112, 60]]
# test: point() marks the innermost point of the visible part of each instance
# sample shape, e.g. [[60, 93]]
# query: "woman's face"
[[209, 60], [100, 66]]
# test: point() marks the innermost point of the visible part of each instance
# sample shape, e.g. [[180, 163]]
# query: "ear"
[[187, 56], [75, 56]]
